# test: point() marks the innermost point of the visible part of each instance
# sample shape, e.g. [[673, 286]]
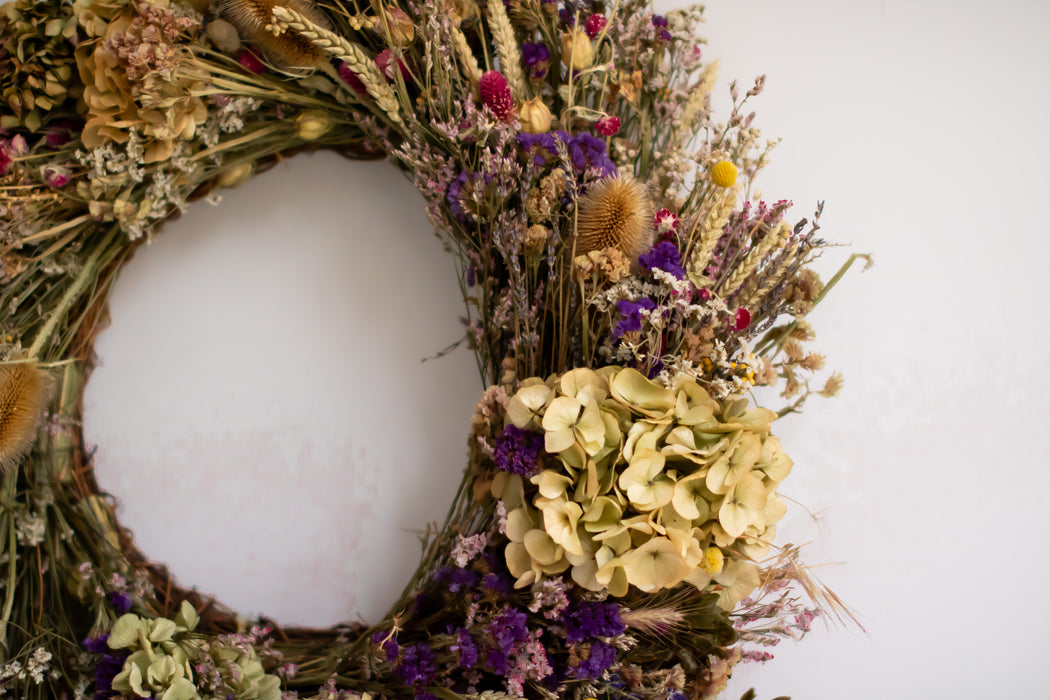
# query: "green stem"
[[87, 274], [12, 555]]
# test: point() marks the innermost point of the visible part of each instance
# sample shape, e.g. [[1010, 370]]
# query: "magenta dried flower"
[[607, 126], [595, 24], [495, 94], [350, 78], [250, 62]]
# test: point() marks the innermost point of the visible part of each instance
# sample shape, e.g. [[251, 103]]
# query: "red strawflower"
[[350, 78], [5, 159], [594, 26], [250, 62], [607, 126], [742, 320], [495, 94]]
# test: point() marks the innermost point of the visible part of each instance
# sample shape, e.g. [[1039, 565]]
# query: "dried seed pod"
[[615, 213], [23, 394]]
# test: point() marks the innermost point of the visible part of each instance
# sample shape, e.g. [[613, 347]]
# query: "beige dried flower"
[[794, 352], [813, 361], [536, 237], [607, 264], [224, 35], [615, 213], [23, 394], [832, 386]]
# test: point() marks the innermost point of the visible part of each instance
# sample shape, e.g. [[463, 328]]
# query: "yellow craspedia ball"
[[723, 173], [713, 561]]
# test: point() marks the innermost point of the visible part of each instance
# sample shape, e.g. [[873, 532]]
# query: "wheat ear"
[[351, 54], [466, 56], [774, 239], [698, 95], [507, 48], [711, 231]]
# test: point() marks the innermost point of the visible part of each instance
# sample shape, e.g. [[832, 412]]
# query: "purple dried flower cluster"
[[590, 620], [586, 151], [537, 58], [518, 450], [631, 316], [109, 664], [663, 256]]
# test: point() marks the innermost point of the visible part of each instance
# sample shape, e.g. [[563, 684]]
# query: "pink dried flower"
[[495, 94], [250, 62], [18, 146], [385, 63], [595, 24], [350, 78], [5, 159], [56, 176], [665, 221], [607, 126], [742, 319]]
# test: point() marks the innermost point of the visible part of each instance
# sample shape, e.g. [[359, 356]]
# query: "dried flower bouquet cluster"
[[625, 287]]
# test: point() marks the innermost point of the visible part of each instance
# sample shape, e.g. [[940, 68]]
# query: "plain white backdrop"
[[262, 413]]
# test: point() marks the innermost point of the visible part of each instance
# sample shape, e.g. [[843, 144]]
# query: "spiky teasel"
[[616, 212], [23, 393], [289, 49]]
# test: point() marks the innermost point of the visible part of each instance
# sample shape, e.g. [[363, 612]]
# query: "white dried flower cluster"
[[468, 548], [30, 528], [34, 670]]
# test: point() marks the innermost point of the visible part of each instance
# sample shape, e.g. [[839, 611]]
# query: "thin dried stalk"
[[352, 55], [507, 48]]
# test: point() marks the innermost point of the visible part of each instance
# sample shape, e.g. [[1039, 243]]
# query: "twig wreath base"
[[629, 300]]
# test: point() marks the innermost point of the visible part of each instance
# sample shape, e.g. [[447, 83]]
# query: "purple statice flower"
[[602, 657], [109, 664], [496, 662], [454, 191], [663, 256], [387, 644], [498, 584], [417, 665], [467, 648], [589, 620], [518, 450], [631, 315], [660, 23], [585, 150], [508, 628], [121, 602], [461, 580], [537, 58]]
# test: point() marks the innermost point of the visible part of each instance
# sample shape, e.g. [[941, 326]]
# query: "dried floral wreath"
[[625, 290]]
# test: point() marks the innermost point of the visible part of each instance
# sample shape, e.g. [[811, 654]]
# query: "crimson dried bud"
[[495, 94], [594, 26]]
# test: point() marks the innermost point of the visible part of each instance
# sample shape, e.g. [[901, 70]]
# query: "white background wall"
[[262, 413]]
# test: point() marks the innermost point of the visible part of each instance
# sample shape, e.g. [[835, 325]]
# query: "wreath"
[[628, 300]]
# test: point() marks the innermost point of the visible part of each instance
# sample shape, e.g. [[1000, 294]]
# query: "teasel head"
[[23, 396], [289, 49], [616, 212]]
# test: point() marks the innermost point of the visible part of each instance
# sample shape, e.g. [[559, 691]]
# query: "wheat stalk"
[[351, 54], [774, 239], [466, 56], [698, 96], [781, 268], [711, 231], [507, 48]]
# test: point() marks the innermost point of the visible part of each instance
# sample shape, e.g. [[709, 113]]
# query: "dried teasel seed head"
[[615, 213], [23, 395], [289, 49]]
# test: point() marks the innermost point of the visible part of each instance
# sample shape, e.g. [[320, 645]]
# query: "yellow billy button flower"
[[723, 173], [713, 560], [535, 116]]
